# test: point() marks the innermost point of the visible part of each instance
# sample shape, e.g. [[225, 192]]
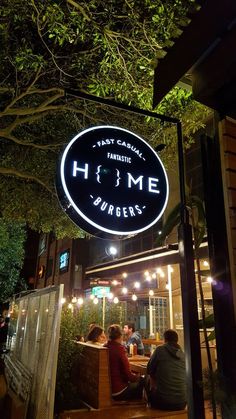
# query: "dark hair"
[[94, 333], [170, 335], [114, 332], [130, 325]]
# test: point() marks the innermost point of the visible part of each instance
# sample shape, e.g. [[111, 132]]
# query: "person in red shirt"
[[125, 385]]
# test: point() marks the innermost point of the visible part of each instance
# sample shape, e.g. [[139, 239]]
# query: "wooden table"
[[152, 342], [138, 363]]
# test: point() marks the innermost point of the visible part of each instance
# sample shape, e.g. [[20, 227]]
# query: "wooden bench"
[[94, 390], [93, 380], [124, 412]]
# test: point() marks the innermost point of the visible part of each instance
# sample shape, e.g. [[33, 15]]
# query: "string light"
[[137, 285], [124, 275], [115, 282], [124, 290], [160, 272], [95, 300], [74, 300], [134, 297], [63, 300], [116, 300], [80, 301], [151, 293], [70, 306]]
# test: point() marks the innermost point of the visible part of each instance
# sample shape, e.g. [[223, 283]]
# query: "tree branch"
[[80, 8], [28, 144], [15, 173]]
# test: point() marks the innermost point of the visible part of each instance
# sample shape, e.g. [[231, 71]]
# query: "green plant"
[[75, 322], [66, 396]]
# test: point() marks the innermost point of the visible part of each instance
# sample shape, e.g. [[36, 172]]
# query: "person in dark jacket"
[[125, 385], [166, 368], [133, 337]]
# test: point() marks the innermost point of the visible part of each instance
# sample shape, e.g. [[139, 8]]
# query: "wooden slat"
[[231, 179], [230, 161], [232, 198], [229, 143], [233, 238], [228, 128]]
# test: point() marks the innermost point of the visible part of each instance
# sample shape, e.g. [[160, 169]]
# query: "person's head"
[[129, 328], [171, 336], [115, 333], [91, 325], [96, 334]]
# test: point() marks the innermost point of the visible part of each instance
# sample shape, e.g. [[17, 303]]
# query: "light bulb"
[[113, 250], [80, 301], [124, 290], [134, 297], [95, 300], [151, 293], [116, 300], [115, 282]]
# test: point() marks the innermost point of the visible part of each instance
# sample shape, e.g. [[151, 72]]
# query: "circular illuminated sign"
[[111, 182]]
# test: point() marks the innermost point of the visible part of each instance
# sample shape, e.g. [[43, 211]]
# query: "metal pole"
[[169, 270], [103, 311], [150, 318], [189, 300]]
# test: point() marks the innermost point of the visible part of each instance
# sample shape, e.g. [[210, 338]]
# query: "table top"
[[138, 358], [139, 366], [152, 342]]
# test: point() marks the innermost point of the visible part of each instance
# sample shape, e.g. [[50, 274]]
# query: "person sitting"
[[133, 337], [125, 385], [96, 336], [166, 368]]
